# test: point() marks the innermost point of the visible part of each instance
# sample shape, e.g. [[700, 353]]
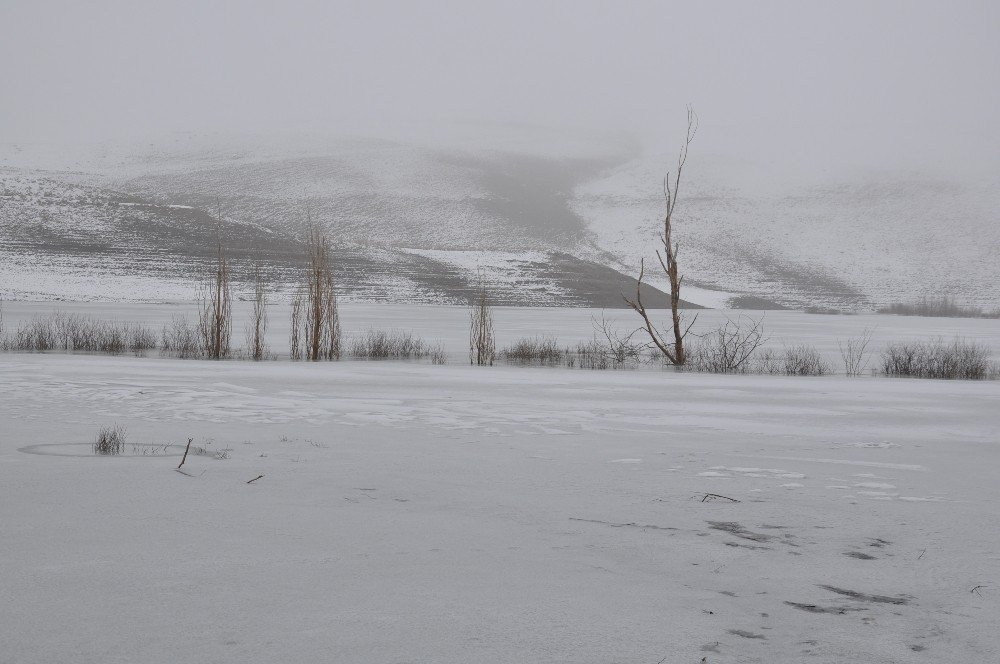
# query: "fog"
[[792, 85]]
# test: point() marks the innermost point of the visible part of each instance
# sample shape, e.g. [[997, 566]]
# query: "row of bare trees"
[[315, 319]]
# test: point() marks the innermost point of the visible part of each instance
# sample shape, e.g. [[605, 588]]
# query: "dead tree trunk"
[[673, 350], [295, 339]]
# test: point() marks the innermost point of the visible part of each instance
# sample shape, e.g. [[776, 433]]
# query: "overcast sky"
[[884, 84]]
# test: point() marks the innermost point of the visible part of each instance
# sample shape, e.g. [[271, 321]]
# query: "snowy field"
[[417, 513]]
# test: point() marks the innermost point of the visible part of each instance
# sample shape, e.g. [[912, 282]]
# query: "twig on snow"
[[184, 458], [254, 479], [716, 495]]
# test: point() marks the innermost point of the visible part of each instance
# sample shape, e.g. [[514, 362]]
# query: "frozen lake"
[[417, 513]]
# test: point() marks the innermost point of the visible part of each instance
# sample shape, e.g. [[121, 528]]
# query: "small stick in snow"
[[922, 552], [254, 479], [976, 590], [715, 495], [184, 458]]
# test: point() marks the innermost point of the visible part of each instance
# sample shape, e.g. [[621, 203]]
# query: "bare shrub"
[[728, 348], [110, 440], [181, 339], [768, 361], [944, 306], [38, 334], [141, 338], [438, 356], [959, 359], [854, 353], [392, 344], [620, 346], [257, 349], [803, 360], [215, 309], [482, 342], [536, 350], [592, 355], [79, 333], [322, 334]]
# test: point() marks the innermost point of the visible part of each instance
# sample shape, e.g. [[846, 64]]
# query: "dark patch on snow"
[[815, 608], [737, 545], [738, 530], [860, 555], [865, 597]]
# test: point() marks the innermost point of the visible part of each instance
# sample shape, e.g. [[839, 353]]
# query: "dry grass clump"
[[79, 333], [181, 339], [798, 360], [958, 359], [536, 350], [803, 360], [110, 440], [390, 345], [944, 306], [438, 356], [592, 355]]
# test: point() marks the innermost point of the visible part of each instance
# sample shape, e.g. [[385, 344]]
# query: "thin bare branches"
[[854, 353], [620, 348], [321, 324], [257, 327], [673, 351], [728, 348], [482, 343], [215, 311]]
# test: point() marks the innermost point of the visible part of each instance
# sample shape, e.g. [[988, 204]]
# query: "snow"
[[418, 513], [851, 240]]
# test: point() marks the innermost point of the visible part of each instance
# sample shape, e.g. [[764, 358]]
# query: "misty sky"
[[877, 84]]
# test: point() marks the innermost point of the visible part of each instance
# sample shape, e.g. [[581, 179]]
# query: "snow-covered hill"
[[547, 217]]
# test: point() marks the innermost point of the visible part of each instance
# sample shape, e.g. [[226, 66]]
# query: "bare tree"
[[673, 351], [257, 327], [482, 343], [322, 320], [215, 312], [295, 339]]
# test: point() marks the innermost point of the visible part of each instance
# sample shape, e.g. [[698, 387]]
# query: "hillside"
[[545, 218]]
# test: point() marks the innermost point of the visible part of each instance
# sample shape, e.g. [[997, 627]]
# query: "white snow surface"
[[417, 513]]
